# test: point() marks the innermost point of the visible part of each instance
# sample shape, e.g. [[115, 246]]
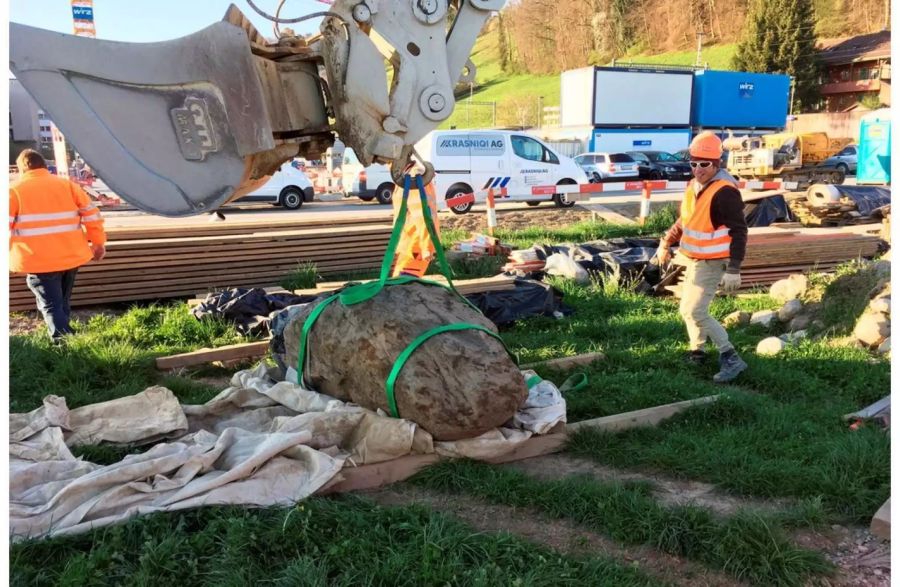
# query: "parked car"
[[365, 183], [660, 165], [607, 166], [844, 160], [288, 187]]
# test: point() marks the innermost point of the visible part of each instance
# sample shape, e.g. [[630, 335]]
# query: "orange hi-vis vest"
[[415, 250], [51, 222], [700, 239]]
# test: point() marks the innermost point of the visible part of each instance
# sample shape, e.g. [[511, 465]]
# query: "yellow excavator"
[[785, 156], [182, 127]]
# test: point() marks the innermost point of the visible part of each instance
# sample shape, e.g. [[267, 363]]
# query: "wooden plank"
[[638, 418], [599, 210], [567, 362], [881, 521], [393, 471], [246, 350], [377, 474]]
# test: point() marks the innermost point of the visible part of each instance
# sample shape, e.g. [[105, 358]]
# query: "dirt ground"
[[862, 559], [539, 217]]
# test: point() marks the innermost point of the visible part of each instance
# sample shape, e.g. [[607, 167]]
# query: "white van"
[[288, 187], [365, 183], [471, 161]]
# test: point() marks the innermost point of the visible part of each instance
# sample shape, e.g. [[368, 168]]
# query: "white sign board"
[[624, 97]]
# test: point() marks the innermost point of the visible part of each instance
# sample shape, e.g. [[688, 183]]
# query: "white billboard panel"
[[642, 98]]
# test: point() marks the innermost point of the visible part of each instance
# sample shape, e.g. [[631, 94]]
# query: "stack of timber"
[[167, 261], [775, 253]]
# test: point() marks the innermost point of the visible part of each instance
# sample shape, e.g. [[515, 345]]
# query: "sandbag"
[[455, 385]]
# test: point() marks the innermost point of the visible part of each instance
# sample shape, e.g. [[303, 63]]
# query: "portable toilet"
[[874, 153]]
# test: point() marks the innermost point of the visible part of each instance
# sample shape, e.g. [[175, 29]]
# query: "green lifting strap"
[[361, 292], [366, 291], [409, 350]]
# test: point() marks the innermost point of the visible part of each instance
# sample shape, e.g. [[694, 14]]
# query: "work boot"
[[695, 357], [730, 366]]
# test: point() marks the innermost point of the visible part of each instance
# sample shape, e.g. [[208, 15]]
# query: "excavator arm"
[[182, 127]]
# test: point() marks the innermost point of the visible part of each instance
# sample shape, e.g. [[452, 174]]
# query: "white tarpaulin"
[[257, 443]]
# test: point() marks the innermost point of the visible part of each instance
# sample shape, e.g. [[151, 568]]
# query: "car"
[[366, 183], [660, 165], [608, 166], [844, 160], [288, 187]]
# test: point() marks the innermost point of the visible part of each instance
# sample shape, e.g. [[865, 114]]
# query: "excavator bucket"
[[172, 127]]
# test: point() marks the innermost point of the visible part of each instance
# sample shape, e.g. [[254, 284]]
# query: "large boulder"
[[455, 385], [789, 288]]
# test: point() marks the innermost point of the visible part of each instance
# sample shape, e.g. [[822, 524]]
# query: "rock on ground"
[[770, 346], [789, 288], [736, 319], [455, 385], [763, 317], [789, 310]]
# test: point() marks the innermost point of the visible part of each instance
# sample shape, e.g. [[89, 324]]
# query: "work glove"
[[731, 282], [663, 254]]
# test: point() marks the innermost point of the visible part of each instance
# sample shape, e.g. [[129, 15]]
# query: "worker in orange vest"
[[712, 233], [415, 250], [54, 229]]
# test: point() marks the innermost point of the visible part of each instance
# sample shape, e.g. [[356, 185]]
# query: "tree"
[[779, 37]]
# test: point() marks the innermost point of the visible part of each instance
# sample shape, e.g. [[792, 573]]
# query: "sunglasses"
[[700, 164]]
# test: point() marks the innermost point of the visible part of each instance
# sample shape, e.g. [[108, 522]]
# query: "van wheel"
[[533, 203], [385, 193], [560, 199], [455, 191], [291, 198]]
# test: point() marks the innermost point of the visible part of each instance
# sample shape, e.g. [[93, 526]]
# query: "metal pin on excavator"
[[182, 127]]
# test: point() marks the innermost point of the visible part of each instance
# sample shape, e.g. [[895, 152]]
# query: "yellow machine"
[[785, 156]]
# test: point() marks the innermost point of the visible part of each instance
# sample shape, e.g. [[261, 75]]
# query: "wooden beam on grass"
[[563, 363], [611, 216], [246, 350], [637, 418]]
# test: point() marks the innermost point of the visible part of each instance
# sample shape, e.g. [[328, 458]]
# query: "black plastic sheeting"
[[866, 197], [529, 298], [251, 310], [247, 309], [767, 211]]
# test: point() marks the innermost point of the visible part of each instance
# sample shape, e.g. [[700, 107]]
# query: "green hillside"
[[518, 96]]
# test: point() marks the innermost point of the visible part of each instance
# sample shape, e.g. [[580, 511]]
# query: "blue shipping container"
[[874, 151], [739, 99]]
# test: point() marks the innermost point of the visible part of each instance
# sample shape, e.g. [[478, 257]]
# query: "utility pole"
[[699, 47]]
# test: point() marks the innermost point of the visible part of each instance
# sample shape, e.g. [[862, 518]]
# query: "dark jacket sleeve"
[[728, 209]]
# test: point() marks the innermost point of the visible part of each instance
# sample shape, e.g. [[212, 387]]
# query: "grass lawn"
[[776, 433]]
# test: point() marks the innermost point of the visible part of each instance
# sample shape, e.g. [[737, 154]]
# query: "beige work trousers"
[[701, 280]]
